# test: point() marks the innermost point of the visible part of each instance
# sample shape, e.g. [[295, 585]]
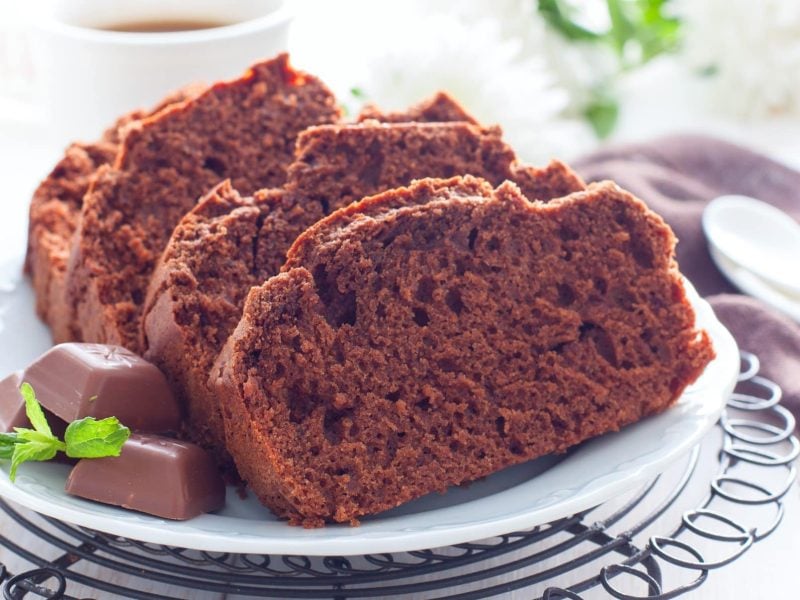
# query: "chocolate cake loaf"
[[56, 204], [55, 209], [432, 335], [228, 244], [243, 130]]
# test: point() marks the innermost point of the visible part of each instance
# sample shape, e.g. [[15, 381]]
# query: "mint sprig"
[[84, 438], [90, 438], [34, 410]]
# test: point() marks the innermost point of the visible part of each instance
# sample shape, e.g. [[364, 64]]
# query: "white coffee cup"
[[87, 74]]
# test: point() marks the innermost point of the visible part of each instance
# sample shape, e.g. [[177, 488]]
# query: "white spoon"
[[751, 284], [758, 237]]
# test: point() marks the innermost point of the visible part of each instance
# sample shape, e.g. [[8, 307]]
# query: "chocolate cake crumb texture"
[[452, 331], [228, 244], [55, 210], [242, 130]]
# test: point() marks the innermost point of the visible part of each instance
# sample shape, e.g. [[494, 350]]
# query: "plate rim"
[[352, 541]]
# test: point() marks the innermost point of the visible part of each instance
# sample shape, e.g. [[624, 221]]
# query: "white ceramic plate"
[[514, 499]]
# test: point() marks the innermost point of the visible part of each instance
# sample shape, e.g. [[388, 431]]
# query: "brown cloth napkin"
[[677, 176]]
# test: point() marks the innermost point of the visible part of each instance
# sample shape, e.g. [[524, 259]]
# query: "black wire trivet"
[[596, 553]]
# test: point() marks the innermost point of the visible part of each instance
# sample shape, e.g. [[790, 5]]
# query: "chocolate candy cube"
[[94, 380], [12, 408], [160, 476]]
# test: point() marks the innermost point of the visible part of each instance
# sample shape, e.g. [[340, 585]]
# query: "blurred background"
[[561, 77]]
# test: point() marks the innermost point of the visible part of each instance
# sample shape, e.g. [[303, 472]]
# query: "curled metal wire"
[[773, 447], [757, 445]]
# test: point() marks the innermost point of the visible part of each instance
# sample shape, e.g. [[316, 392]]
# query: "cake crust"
[[54, 213], [440, 108]]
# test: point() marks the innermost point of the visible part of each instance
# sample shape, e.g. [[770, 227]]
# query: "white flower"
[[404, 52], [578, 68], [753, 50], [516, 18]]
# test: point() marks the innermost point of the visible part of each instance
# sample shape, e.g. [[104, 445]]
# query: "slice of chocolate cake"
[[55, 209], [54, 213], [432, 335], [195, 300], [228, 244], [243, 130], [340, 164]]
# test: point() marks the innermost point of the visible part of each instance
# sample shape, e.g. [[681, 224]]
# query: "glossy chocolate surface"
[[94, 380], [160, 476], [12, 408]]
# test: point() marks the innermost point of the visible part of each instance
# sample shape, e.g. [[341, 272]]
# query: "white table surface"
[[652, 107]]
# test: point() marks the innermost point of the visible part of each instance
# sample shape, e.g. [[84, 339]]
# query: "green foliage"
[[33, 445], [638, 31], [84, 438], [602, 112], [7, 441], [89, 438], [34, 410], [559, 19]]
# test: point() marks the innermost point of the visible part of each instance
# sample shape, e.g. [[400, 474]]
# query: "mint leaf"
[[84, 438], [37, 437], [32, 445], [9, 438], [24, 445], [37, 444], [7, 442], [34, 410], [90, 438]]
